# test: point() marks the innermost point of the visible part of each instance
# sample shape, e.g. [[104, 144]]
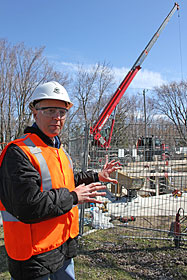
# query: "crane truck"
[[110, 108]]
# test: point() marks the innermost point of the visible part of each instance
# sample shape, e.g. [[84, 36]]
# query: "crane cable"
[[180, 45]]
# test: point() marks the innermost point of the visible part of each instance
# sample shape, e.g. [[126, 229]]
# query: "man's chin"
[[54, 133], [54, 129]]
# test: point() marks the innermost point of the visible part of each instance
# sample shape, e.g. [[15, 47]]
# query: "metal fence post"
[[84, 168]]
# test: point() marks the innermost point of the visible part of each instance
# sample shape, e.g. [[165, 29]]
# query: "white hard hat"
[[50, 90]]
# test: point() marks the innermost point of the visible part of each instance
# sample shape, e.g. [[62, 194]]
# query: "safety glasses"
[[53, 112]]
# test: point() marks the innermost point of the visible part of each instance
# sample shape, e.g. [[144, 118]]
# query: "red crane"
[[111, 106]]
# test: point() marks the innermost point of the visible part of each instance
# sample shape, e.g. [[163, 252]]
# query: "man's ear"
[[34, 112], [33, 109]]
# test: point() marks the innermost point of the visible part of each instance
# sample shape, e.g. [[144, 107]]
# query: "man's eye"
[[51, 111], [62, 112]]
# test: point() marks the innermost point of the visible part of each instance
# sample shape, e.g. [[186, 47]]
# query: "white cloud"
[[71, 67], [143, 79]]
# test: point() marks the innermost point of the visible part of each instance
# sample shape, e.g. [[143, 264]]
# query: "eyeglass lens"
[[53, 112]]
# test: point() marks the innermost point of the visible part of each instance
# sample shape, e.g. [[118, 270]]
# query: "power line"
[[180, 46]]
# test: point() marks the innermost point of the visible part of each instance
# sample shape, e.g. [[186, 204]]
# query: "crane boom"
[[111, 105]]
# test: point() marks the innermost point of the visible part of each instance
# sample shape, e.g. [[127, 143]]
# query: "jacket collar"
[[35, 129]]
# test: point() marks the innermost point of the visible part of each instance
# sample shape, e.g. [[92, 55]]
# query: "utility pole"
[[145, 117]]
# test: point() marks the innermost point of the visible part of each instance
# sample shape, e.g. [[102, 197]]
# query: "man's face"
[[49, 125]]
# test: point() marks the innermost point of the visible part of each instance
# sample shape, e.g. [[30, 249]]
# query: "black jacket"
[[21, 196]]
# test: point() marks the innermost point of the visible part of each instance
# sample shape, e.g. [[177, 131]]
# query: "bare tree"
[[90, 88], [21, 71], [126, 115], [7, 64], [171, 101]]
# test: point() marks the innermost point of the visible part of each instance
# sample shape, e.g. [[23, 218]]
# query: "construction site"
[[150, 199]]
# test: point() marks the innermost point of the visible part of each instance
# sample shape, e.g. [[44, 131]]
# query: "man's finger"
[[113, 163], [112, 180], [117, 168], [94, 200], [106, 161], [94, 194], [97, 187]]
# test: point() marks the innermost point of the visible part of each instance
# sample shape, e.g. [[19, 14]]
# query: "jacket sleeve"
[[20, 190], [86, 178]]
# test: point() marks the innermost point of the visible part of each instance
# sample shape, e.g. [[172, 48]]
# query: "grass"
[[105, 255]]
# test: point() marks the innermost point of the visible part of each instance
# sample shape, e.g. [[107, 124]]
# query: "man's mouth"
[[55, 125]]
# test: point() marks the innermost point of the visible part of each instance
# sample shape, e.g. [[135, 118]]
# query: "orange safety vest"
[[55, 168]]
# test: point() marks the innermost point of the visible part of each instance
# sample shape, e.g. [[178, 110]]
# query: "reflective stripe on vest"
[[68, 156], [46, 183], [7, 217], [46, 177]]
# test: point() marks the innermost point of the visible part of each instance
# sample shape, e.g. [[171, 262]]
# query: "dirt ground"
[[112, 258]]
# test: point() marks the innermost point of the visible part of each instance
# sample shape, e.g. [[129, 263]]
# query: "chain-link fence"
[[150, 199]]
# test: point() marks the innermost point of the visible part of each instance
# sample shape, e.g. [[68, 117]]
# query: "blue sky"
[[91, 31]]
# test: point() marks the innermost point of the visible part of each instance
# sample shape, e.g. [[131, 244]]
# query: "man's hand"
[[109, 167], [87, 193]]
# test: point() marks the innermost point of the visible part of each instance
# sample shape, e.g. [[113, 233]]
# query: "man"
[[40, 193]]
